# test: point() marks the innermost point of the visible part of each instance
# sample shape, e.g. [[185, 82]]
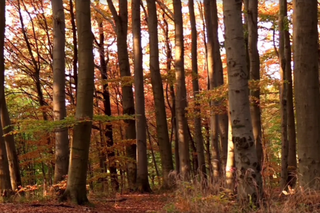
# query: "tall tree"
[[142, 161], [247, 163], [107, 111], [219, 81], [283, 94], [157, 89], [305, 45], [76, 188], [121, 21], [4, 166], [215, 158], [251, 8], [59, 104], [195, 84], [181, 101]]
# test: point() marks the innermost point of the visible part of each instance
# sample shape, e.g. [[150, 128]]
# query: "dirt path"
[[133, 203]]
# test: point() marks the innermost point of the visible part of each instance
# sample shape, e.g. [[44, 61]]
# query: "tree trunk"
[[107, 111], [283, 94], [195, 84], [4, 166], [219, 81], [230, 167], [157, 88], [248, 166], [142, 160], [121, 21], [215, 160], [76, 185], [305, 37], [292, 153], [254, 70], [181, 91], [59, 105], [75, 51]]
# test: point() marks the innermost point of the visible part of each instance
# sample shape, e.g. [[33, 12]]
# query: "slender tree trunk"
[[305, 41], [121, 21], [248, 166], [4, 166], [181, 91], [107, 111], [219, 81], [76, 185], [142, 161], [157, 88], [215, 160], [230, 167], [59, 105], [254, 70], [195, 84], [75, 50], [292, 153], [283, 95]]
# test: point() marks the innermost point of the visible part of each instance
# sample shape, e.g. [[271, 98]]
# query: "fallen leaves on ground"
[[131, 203]]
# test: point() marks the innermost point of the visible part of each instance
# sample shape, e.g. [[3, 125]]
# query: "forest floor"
[[131, 203]]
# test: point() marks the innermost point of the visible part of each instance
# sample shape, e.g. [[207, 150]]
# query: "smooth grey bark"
[[181, 91], [4, 166], [251, 7], [195, 86], [306, 87], [59, 104], [121, 21], [142, 161], [157, 89], [77, 176], [247, 164]]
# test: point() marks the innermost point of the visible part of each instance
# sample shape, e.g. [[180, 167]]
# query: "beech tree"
[[157, 89], [59, 105], [248, 166], [77, 175], [307, 98]]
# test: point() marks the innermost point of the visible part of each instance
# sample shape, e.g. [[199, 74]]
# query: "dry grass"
[[206, 196]]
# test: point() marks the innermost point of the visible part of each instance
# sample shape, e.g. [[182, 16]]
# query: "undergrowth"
[[205, 196]]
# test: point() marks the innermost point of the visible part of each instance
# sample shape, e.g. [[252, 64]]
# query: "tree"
[[181, 101], [121, 21], [59, 105], [219, 81], [157, 89], [305, 45], [248, 166], [251, 7], [4, 166], [215, 158], [76, 185], [142, 161], [195, 84]]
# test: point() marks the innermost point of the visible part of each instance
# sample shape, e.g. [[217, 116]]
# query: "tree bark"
[[4, 166], [181, 92], [59, 104], [215, 160], [195, 84], [76, 185], [283, 95], [157, 88], [121, 21], [254, 70], [248, 166], [305, 45], [142, 161]]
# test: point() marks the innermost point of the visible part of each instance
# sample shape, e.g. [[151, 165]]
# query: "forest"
[[159, 106]]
